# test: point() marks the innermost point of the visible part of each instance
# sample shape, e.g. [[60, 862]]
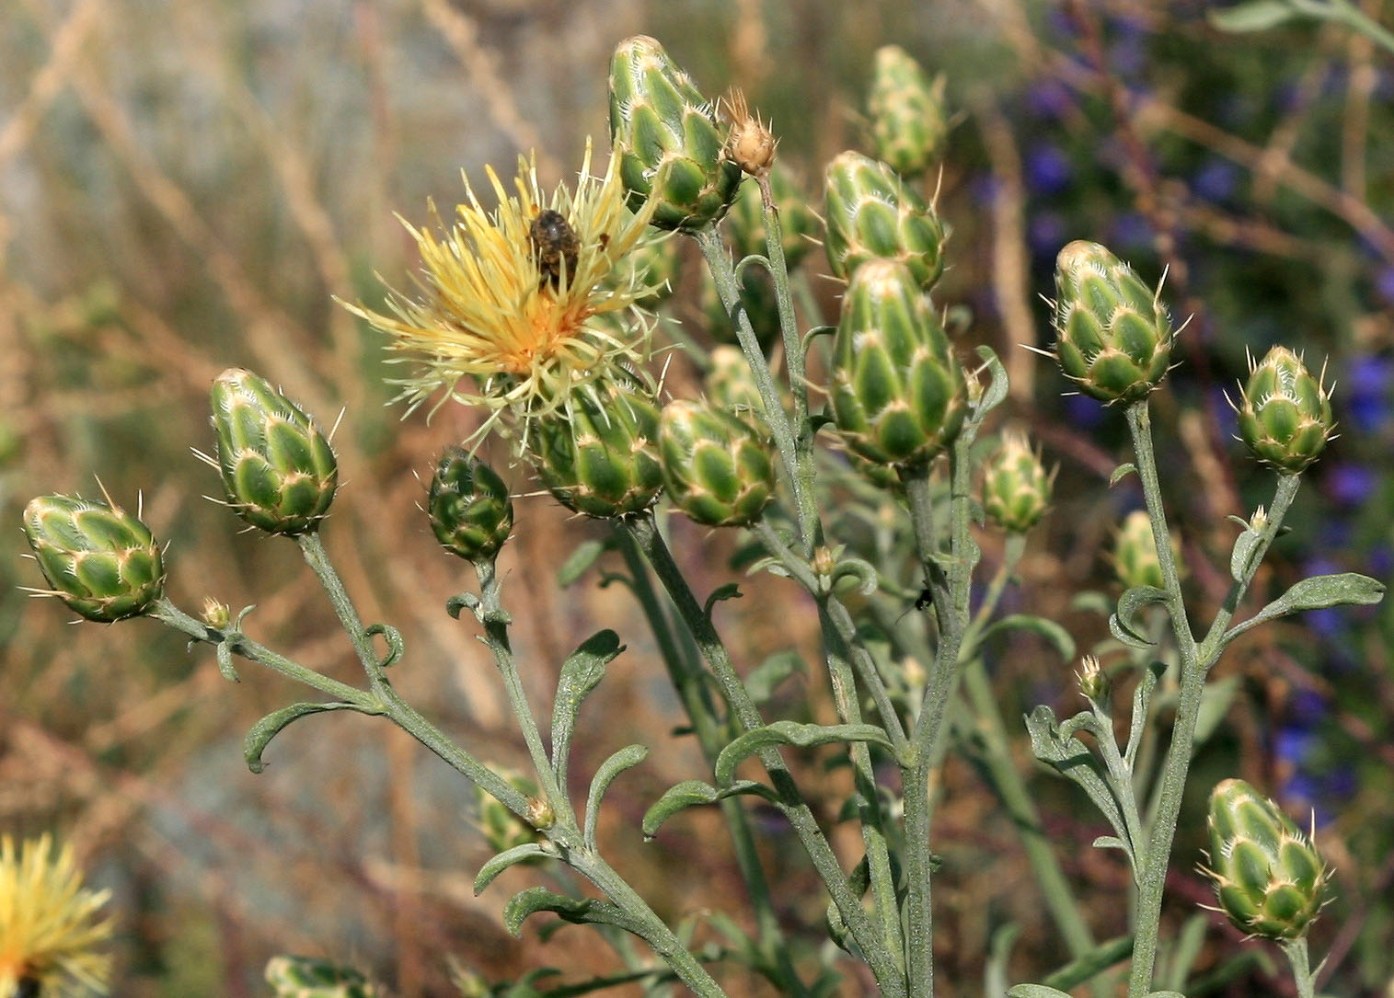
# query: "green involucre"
[[1269, 879], [599, 455], [1113, 336], [717, 468], [102, 562], [468, 503], [898, 393], [666, 134], [279, 472], [1285, 416], [872, 215]]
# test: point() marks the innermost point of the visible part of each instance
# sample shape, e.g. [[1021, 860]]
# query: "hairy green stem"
[[793, 440], [713, 735], [1296, 950], [883, 964], [949, 585], [1195, 662]]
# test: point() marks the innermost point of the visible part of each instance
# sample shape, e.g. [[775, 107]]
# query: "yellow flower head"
[[525, 304], [49, 931]]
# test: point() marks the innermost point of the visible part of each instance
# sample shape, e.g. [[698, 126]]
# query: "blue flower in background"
[[1046, 232], [1366, 387], [1217, 180], [1048, 99], [1130, 231], [1350, 483], [1083, 412], [1048, 170]]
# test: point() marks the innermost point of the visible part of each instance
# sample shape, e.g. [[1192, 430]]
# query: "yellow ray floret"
[[49, 930], [496, 324]]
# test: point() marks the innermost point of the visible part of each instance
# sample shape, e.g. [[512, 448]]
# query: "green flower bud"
[[279, 472], [745, 223], [1135, 552], [730, 384], [761, 307], [717, 468], [1285, 419], [666, 134], [872, 215], [1113, 336], [1016, 486], [101, 561], [469, 506], [1268, 876], [898, 393], [308, 977], [599, 456], [908, 123]]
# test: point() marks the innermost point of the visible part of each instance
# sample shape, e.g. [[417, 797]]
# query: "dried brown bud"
[[750, 143]]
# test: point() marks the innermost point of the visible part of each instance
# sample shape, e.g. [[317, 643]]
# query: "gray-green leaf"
[[1257, 15], [694, 793], [791, 733]]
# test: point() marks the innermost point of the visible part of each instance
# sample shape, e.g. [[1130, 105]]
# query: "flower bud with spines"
[[1113, 336], [599, 455], [1269, 878], [469, 507], [745, 223], [873, 215], [1016, 485], [717, 467], [1135, 552], [670, 145], [1285, 416], [898, 393], [908, 123], [279, 472], [311, 977], [102, 562]]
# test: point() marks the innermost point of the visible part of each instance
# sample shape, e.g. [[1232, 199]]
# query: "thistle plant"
[[851, 460]]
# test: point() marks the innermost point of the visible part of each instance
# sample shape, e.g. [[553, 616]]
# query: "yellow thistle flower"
[[529, 302], [48, 926]]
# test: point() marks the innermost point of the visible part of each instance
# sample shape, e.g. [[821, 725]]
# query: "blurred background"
[[185, 187]]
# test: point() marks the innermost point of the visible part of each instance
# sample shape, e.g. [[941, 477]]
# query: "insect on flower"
[[555, 247]]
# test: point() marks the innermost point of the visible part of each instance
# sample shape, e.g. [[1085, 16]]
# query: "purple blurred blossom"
[[1130, 231], [1048, 170], [1306, 707], [1350, 483], [1049, 99], [1083, 412], [1216, 180], [1365, 388], [1294, 745]]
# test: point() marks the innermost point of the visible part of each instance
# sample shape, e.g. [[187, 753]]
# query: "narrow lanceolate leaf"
[[277, 721], [580, 674], [791, 733], [696, 793]]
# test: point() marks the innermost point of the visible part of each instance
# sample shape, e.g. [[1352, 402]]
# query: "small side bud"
[[717, 467], [1093, 681], [216, 615], [469, 506], [908, 120], [504, 830], [1285, 415], [1269, 877], [279, 472], [1113, 336], [1016, 485], [102, 562]]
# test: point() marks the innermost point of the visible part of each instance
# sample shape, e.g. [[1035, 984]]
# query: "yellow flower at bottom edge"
[[530, 302], [49, 930]]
